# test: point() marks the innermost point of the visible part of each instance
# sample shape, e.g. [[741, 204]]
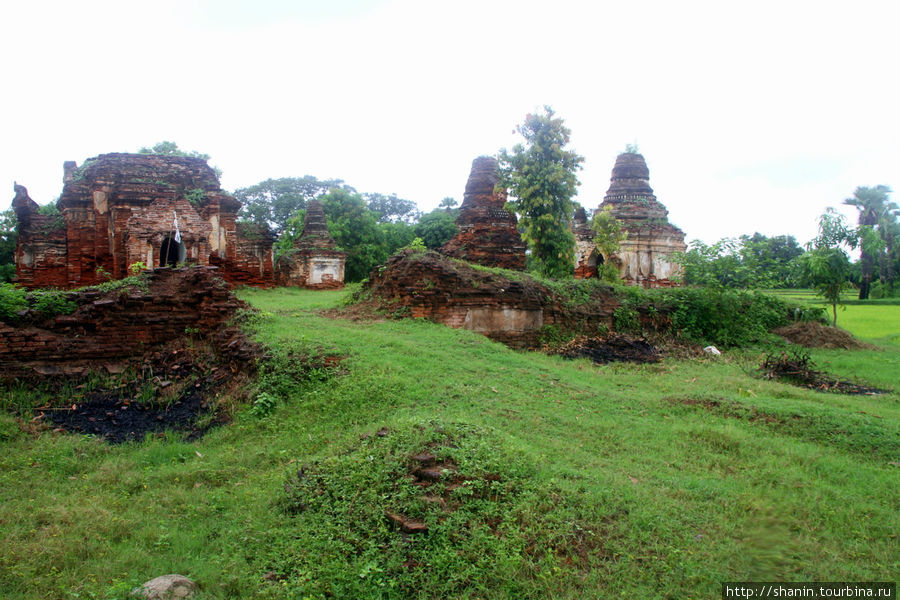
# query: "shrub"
[[45, 303], [49, 303], [725, 317], [12, 301]]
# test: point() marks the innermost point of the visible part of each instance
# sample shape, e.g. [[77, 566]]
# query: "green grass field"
[[569, 480]]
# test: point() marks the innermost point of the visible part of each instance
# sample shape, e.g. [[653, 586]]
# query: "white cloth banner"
[[177, 232]]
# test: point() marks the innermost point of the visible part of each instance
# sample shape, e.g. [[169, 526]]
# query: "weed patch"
[[429, 510], [798, 368], [288, 370]]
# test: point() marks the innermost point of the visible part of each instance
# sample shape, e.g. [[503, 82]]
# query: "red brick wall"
[[446, 291], [117, 325], [119, 209]]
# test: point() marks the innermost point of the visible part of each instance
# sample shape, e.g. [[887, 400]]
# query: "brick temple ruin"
[[644, 256], [313, 262], [119, 209], [488, 233]]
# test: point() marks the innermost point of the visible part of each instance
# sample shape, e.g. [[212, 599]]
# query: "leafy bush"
[[707, 315], [728, 317], [7, 272], [12, 301], [45, 303], [626, 319], [49, 303], [195, 196]]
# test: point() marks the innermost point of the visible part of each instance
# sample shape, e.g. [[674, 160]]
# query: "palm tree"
[[873, 205], [889, 229]]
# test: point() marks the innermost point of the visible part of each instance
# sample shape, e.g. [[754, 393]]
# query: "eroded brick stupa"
[[644, 256], [487, 232], [119, 210], [314, 261]]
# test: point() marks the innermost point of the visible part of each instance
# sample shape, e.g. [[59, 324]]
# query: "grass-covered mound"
[[434, 510], [430, 285]]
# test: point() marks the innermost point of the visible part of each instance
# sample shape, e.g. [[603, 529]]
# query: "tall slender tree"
[[541, 177], [873, 205], [825, 265]]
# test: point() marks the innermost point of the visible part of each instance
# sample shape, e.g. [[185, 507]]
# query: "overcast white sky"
[[753, 116]]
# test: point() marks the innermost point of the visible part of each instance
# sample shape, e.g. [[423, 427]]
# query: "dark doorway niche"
[[594, 262], [171, 252]]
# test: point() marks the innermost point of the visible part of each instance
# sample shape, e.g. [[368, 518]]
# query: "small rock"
[[431, 473], [712, 350], [424, 458], [406, 524], [166, 587]]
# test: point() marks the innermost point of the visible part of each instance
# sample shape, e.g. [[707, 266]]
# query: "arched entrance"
[[171, 252], [594, 262]]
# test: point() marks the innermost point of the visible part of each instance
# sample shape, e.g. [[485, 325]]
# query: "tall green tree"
[[872, 205], [356, 230], [769, 259], [540, 175], [755, 261], [714, 265], [448, 203], [8, 235], [889, 229], [391, 209], [437, 227], [273, 201], [825, 265]]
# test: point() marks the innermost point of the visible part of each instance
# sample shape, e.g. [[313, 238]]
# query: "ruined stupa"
[[123, 211], [314, 261], [586, 253], [644, 257], [487, 232]]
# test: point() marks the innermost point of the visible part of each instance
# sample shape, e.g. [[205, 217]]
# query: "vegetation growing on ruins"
[[41, 304], [609, 233]]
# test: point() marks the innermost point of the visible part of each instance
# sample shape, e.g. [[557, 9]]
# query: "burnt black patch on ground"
[[117, 416], [797, 368], [177, 388], [613, 348]]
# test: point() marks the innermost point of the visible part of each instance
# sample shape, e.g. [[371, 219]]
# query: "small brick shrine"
[[487, 232], [643, 258], [121, 209], [314, 261]]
